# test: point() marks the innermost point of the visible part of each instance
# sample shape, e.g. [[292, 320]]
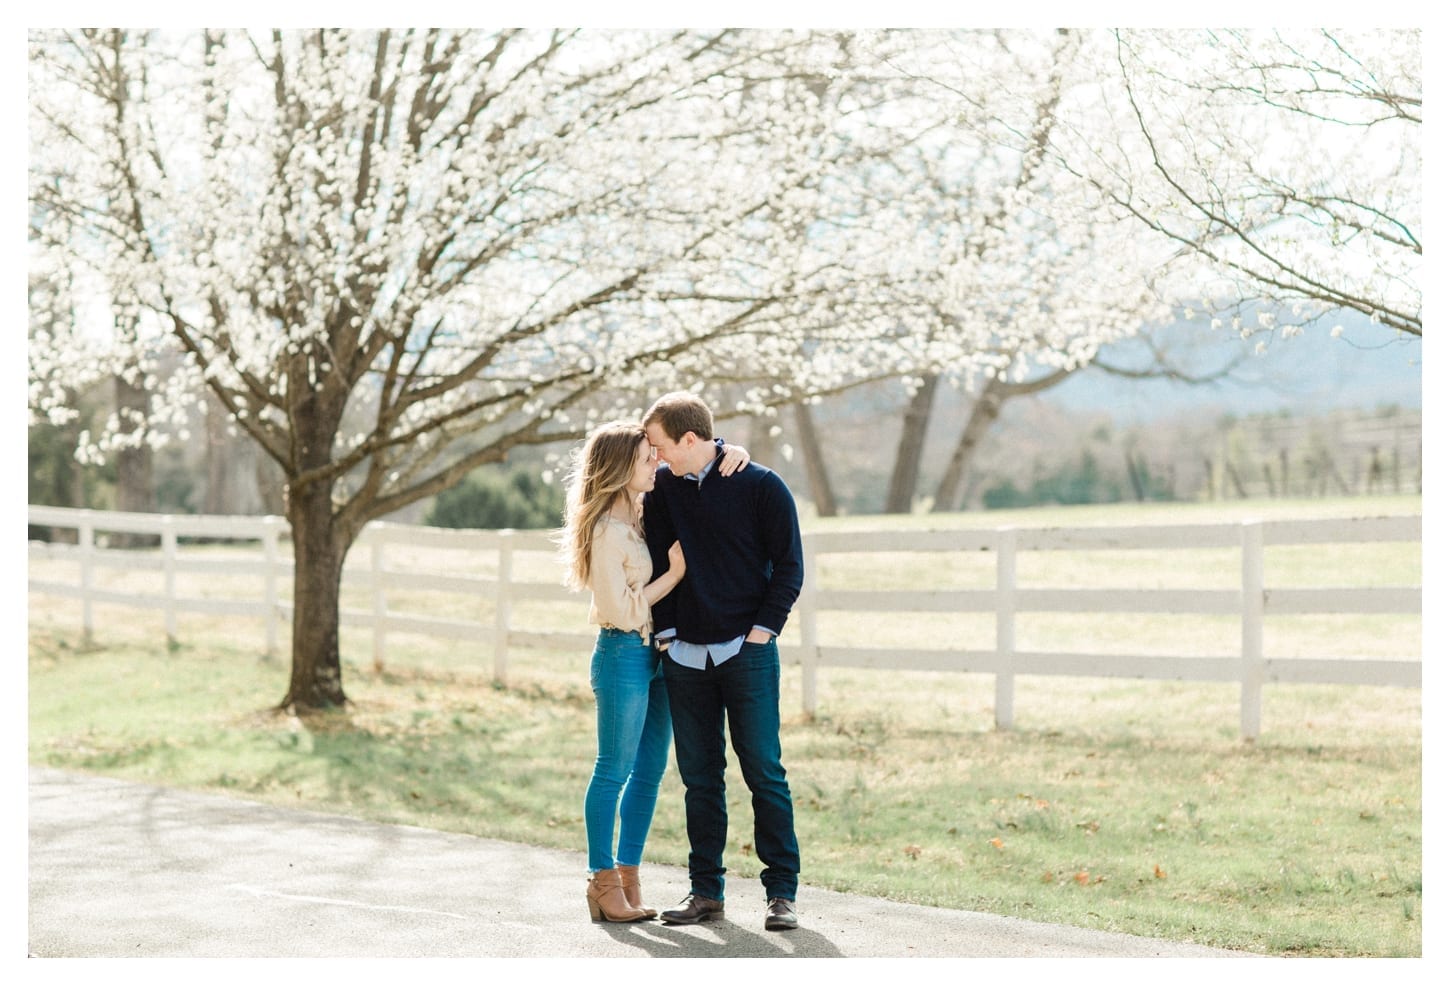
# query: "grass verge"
[[1125, 806]]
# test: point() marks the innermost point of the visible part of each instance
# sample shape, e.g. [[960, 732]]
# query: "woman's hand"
[[670, 578], [735, 458]]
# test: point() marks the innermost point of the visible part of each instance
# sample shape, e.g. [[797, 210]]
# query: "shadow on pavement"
[[721, 939]]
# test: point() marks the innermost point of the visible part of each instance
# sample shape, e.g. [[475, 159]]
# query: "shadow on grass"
[[455, 765]]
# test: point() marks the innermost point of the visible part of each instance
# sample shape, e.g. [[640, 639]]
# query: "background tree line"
[[1037, 453]]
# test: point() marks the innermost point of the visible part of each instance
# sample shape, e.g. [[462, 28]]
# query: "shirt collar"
[[699, 477]]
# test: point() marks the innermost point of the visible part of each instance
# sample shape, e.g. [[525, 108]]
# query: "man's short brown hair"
[[680, 412]]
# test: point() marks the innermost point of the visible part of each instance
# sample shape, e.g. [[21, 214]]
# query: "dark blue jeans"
[[746, 691]]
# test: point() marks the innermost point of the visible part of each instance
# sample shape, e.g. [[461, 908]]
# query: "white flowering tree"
[[1006, 274], [1285, 163], [1118, 178], [395, 256]]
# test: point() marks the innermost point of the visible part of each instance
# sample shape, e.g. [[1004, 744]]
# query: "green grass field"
[[1124, 805]]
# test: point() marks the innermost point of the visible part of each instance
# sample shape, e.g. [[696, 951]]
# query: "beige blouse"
[[619, 570]]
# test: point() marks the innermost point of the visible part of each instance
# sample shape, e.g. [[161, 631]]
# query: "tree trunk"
[[233, 485], [135, 470], [909, 449], [1139, 493], [318, 551], [320, 540], [984, 413], [271, 485], [218, 458], [1233, 475], [814, 462], [760, 442]]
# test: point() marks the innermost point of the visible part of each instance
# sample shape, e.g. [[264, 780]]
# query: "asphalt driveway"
[[120, 869]]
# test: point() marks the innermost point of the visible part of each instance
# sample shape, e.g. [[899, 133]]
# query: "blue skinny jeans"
[[634, 733]]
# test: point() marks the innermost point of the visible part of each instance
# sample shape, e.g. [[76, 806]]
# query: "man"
[[744, 567]]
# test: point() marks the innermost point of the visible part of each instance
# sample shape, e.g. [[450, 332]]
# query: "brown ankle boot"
[[629, 880], [606, 899]]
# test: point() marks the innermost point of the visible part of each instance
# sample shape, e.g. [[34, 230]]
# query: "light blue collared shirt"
[[690, 655]]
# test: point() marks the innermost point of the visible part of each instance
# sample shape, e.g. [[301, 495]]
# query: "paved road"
[[120, 869]]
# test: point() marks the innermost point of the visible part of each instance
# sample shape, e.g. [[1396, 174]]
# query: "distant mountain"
[[1367, 366]]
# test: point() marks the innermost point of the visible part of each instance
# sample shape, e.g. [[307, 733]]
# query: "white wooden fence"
[[502, 583]]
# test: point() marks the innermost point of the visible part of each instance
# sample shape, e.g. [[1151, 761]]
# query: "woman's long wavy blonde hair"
[[599, 472]]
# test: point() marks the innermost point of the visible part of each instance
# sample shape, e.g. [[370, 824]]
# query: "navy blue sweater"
[[742, 542]]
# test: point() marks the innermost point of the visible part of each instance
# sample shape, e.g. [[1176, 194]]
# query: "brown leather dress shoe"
[[780, 915], [695, 909]]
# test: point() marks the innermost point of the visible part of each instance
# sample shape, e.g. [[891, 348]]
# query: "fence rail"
[[492, 573]]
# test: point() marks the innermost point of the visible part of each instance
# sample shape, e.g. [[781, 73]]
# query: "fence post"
[[86, 538], [502, 605], [810, 642], [1251, 671], [1006, 622], [271, 532], [380, 599], [168, 568]]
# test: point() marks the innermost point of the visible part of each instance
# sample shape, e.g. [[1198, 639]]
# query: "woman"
[[605, 552]]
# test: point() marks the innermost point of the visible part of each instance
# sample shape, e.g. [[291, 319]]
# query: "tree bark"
[[910, 448], [318, 549], [815, 463], [321, 536]]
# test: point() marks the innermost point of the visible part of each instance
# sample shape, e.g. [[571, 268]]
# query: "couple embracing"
[[692, 555]]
